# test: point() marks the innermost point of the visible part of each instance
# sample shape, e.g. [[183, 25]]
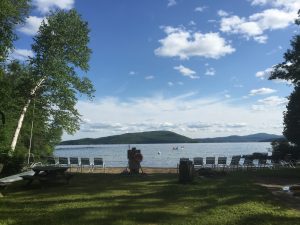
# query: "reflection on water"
[[160, 155]]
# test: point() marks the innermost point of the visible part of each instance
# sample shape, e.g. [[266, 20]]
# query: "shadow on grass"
[[151, 199]]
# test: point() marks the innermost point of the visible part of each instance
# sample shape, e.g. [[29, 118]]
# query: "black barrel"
[[186, 171]]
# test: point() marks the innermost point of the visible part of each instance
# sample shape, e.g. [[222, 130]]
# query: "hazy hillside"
[[259, 137], [134, 138]]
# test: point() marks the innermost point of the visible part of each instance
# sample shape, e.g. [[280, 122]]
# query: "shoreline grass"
[[149, 199]]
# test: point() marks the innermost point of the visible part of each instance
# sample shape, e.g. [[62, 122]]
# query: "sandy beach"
[[117, 170]]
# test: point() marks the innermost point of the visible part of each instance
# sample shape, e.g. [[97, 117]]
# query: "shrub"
[[12, 163], [283, 150]]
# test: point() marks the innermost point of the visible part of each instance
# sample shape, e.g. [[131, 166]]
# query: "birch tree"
[[61, 56]]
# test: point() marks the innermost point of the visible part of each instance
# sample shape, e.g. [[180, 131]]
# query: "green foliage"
[[290, 70], [60, 47], [50, 81], [12, 13], [13, 164], [13, 89], [283, 150], [292, 118]]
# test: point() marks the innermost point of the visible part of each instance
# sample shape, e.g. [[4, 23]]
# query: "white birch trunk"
[[21, 119]]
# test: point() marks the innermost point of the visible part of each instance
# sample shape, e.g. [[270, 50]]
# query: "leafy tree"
[[290, 70], [12, 13], [60, 49], [292, 118]]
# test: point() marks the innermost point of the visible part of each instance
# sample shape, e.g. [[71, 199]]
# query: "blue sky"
[[196, 67]]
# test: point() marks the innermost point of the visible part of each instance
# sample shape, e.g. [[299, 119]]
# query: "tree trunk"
[[21, 119], [20, 123]]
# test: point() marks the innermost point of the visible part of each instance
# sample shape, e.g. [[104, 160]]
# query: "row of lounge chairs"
[[236, 163], [74, 162]]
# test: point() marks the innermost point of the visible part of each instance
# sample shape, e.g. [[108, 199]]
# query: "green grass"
[[152, 199]]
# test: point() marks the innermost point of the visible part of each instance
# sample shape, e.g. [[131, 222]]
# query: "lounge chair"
[[98, 163], [210, 162], [284, 163], [198, 162], [85, 162], [235, 162], [63, 161], [74, 162], [222, 162]]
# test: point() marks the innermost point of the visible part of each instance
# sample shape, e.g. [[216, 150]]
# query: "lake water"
[[159, 155]]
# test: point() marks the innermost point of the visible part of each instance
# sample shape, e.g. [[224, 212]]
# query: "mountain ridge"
[[258, 137], [162, 137]]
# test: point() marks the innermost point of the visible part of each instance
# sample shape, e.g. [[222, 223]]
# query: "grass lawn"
[[151, 199]]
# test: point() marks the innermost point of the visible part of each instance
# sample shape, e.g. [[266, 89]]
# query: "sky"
[[199, 68]]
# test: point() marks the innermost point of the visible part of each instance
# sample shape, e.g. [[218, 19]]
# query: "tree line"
[[289, 70], [38, 96]]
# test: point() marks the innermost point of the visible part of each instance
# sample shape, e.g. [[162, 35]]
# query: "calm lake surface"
[[159, 155]]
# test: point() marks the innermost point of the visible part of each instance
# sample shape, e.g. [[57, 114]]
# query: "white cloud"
[[180, 83], [192, 23], [238, 86], [265, 74], [170, 83], [210, 71], [200, 8], [273, 101], [255, 25], [227, 96], [32, 25], [261, 39], [273, 51], [149, 77], [262, 91], [21, 54], [222, 13], [44, 6], [186, 114], [171, 3], [184, 44], [186, 72], [272, 19], [132, 72], [288, 5]]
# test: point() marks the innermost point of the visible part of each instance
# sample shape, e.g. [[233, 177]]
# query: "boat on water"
[[177, 148]]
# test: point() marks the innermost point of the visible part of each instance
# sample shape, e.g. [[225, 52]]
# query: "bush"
[[283, 150], [12, 163]]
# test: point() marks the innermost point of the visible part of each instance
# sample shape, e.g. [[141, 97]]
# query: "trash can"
[[186, 171]]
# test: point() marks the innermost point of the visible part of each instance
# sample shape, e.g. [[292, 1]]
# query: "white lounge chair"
[[98, 163], [63, 161], [210, 162], [198, 162], [222, 162], [74, 163], [85, 162]]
